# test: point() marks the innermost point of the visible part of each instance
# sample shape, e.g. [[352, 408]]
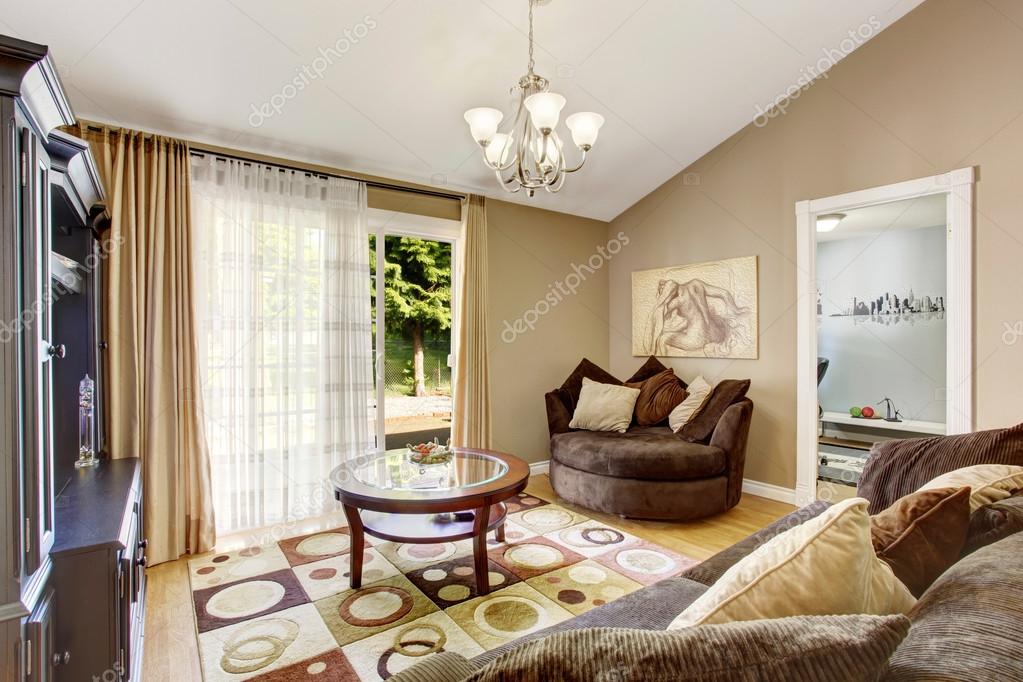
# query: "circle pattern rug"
[[452, 582], [505, 615], [216, 607], [645, 562], [316, 546], [355, 614], [321, 579], [546, 519], [533, 556], [591, 538], [287, 612], [583, 586]]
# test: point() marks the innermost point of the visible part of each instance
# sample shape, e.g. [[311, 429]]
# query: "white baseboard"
[[769, 490], [538, 468]]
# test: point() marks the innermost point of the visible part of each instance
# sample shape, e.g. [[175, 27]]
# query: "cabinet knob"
[[57, 351], [141, 562], [143, 543], [61, 658]]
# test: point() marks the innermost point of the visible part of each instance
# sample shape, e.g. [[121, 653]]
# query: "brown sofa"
[[646, 472], [967, 626]]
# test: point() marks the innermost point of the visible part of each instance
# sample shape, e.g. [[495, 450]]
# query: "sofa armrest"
[[708, 572], [558, 415], [731, 434], [445, 666]]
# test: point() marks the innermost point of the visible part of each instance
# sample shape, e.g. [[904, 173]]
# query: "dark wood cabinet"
[[40, 636], [72, 555], [99, 558]]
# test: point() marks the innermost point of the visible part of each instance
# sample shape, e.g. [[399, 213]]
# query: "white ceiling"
[[909, 214], [673, 78]]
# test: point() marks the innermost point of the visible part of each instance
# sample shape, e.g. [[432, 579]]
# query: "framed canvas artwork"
[[703, 310]]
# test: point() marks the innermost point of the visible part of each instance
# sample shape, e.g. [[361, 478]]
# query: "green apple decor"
[[855, 411]]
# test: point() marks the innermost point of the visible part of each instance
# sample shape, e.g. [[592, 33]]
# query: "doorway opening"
[[413, 269], [884, 324]]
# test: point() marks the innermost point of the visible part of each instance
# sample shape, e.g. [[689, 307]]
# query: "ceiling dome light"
[[545, 110], [584, 126], [483, 122], [829, 221]]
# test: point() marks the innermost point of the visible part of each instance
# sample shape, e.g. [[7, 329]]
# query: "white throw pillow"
[[824, 566], [989, 482], [687, 409], [604, 407]]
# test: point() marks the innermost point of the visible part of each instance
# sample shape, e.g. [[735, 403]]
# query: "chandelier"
[[529, 154]]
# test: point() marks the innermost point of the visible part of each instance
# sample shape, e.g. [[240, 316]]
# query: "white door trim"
[[958, 185]]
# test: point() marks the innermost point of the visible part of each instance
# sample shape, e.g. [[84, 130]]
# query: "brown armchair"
[[646, 472]]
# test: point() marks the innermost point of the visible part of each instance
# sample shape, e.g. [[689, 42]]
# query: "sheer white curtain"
[[285, 336]]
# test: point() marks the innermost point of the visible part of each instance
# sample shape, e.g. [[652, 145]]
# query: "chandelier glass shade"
[[530, 154]]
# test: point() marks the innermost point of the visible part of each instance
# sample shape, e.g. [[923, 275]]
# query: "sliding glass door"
[[413, 259]]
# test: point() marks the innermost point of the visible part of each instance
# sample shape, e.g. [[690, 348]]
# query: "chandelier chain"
[[531, 36]]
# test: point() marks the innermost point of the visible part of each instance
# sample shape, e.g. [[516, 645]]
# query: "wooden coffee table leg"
[[479, 549], [358, 544], [499, 532]]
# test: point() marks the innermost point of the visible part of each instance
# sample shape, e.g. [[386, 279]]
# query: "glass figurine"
[[86, 424]]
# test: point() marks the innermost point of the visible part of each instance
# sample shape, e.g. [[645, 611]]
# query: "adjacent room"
[[511, 341]]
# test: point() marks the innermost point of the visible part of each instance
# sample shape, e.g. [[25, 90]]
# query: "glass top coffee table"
[[389, 497]]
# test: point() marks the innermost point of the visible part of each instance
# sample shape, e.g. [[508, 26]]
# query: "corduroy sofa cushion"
[[800, 649], [898, 467], [445, 666], [968, 625]]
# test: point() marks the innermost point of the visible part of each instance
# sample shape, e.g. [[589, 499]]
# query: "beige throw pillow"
[[824, 566], [698, 392], [604, 407], [989, 483]]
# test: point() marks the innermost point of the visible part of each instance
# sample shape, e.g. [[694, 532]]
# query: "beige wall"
[[940, 89], [530, 250]]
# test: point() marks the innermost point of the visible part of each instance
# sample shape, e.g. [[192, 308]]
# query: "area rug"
[[285, 612]]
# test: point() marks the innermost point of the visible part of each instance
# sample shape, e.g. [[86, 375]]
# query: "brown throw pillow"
[[898, 467], [725, 393], [922, 534], [652, 367], [658, 396], [585, 370]]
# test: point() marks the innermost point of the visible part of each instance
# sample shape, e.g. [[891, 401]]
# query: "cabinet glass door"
[[37, 352]]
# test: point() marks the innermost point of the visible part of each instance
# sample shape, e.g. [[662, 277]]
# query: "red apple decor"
[[867, 412]]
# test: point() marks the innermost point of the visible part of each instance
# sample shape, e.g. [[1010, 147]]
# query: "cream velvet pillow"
[[824, 566], [685, 410], [989, 482], [604, 407]]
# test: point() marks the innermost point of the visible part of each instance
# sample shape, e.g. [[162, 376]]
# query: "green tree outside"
[[417, 294]]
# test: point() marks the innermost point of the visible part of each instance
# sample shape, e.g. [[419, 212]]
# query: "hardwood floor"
[[171, 649]]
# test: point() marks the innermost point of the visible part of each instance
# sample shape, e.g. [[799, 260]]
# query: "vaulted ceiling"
[[379, 86]]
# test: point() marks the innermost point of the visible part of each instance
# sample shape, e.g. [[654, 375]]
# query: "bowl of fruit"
[[430, 453]]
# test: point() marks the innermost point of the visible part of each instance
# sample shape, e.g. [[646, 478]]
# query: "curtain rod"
[[197, 150]]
